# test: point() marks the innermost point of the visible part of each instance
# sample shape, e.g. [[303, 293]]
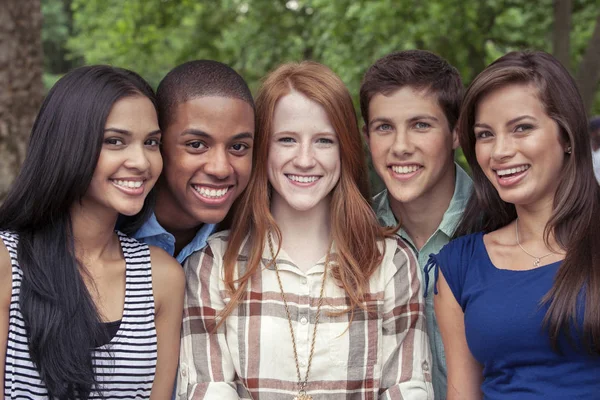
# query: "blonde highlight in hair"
[[354, 226]]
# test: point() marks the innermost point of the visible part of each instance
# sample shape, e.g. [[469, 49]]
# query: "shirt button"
[[303, 321], [302, 363], [425, 366], [304, 281], [184, 373]]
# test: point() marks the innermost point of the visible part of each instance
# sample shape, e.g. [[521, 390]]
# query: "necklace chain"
[[536, 261], [302, 384]]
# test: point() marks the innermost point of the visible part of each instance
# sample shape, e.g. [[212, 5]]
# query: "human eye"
[[240, 148], [420, 125], [384, 127], [196, 145], [325, 141], [523, 127], [286, 139], [114, 141], [152, 142], [479, 135]]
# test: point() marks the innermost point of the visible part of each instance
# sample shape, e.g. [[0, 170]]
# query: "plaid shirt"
[[383, 354]]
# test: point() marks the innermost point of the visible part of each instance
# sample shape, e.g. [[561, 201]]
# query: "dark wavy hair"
[[576, 208], [63, 324]]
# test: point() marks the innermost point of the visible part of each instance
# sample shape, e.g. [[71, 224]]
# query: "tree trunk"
[[588, 75], [561, 32], [21, 87]]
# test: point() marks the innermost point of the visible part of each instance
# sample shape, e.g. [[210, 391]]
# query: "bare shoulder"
[[499, 238], [167, 273]]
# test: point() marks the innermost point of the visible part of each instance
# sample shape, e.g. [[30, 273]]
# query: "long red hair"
[[354, 226]]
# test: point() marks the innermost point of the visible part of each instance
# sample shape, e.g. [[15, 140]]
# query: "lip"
[[127, 190], [213, 201], [407, 176], [303, 184], [510, 180]]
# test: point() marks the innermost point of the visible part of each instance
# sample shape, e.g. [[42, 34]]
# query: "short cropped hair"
[[199, 78], [420, 70]]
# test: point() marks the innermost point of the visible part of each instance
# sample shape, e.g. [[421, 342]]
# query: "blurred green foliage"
[[254, 36]]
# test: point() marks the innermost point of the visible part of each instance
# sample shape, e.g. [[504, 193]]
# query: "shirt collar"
[[463, 186], [153, 228]]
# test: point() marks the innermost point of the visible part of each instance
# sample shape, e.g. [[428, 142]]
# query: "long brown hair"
[[354, 227], [576, 207]]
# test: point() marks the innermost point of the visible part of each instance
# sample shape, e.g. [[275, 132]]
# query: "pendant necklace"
[[302, 395], [536, 260]]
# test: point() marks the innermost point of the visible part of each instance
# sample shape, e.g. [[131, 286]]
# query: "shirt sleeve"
[[206, 369], [406, 367], [453, 261]]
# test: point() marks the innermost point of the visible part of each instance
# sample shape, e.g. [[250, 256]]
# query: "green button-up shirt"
[[462, 190]]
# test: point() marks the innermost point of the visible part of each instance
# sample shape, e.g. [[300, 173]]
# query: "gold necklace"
[[302, 395], [536, 260]]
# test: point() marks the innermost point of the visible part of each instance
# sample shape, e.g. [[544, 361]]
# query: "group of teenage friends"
[[296, 283]]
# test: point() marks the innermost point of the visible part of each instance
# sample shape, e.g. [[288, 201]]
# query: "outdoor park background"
[[42, 39]]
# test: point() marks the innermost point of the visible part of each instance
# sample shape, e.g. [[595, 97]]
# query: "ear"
[[455, 142]]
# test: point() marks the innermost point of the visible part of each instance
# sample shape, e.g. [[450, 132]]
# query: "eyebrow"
[[128, 133], [380, 119], [511, 122], [205, 135], [410, 120]]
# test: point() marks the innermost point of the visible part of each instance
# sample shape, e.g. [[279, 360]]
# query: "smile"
[[129, 187], [302, 179], [511, 171], [211, 193], [405, 169]]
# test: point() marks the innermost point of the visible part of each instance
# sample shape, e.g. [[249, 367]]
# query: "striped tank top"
[[125, 367]]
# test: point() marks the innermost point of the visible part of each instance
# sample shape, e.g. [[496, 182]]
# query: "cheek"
[[378, 148]]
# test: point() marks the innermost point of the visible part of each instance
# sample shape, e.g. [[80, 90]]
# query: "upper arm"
[[406, 353], [168, 284], [465, 374], [5, 297]]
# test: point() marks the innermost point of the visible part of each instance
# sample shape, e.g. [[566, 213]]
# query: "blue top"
[[154, 234], [504, 327]]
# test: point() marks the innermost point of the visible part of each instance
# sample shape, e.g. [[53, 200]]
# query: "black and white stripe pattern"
[[125, 367]]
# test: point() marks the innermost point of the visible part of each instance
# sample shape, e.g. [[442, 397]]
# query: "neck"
[[421, 217], [166, 211], [533, 221], [94, 234], [306, 234]]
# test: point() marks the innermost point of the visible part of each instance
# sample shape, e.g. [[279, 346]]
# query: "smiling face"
[[207, 150], [130, 160], [518, 146], [304, 155], [411, 146]]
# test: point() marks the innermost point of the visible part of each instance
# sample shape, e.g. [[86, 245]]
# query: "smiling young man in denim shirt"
[[206, 114], [410, 102]]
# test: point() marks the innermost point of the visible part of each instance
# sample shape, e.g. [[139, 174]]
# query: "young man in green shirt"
[[410, 102]]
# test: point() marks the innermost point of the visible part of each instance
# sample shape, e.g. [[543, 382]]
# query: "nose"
[[402, 143], [305, 158], [503, 148], [137, 158], [218, 164]]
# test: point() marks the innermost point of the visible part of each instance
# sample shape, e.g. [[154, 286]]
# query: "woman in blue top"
[[517, 301]]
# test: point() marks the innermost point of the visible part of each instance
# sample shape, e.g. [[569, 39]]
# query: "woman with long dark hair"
[[307, 297], [518, 295], [85, 311]]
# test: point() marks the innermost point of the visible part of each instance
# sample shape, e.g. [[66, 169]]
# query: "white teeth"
[[303, 179], [129, 184], [510, 171], [213, 193], [404, 169]]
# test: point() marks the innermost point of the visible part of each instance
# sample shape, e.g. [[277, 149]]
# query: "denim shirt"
[[154, 234], [462, 190]]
